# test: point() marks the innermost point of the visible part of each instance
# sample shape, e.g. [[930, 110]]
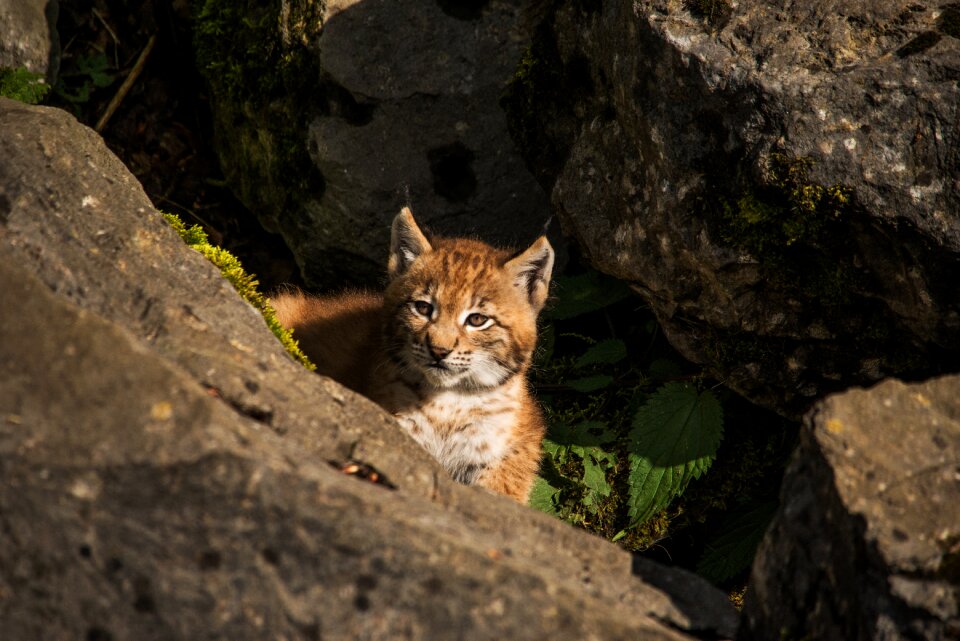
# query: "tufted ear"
[[531, 271], [407, 242]]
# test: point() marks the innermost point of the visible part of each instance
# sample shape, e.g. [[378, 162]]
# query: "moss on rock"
[[245, 284], [23, 85], [252, 54], [788, 223]]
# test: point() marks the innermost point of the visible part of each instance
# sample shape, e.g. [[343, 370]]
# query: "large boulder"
[[28, 36], [170, 473], [329, 116], [778, 180], [866, 544]]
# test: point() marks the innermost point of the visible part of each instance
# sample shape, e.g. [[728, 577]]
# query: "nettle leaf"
[[674, 440], [553, 448], [596, 463], [605, 352], [589, 384], [595, 480], [543, 495], [731, 551], [584, 293]]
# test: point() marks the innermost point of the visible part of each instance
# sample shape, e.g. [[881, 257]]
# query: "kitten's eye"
[[477, 320], [423, 308]]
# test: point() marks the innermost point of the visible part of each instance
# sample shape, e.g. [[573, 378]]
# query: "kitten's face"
[[462, 314]]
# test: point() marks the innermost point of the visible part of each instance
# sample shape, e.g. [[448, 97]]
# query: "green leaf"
[[595, 480], [732, 549], [674, 440], [590, 383], [605, 352], [542, 496], [553, 448], [584, 293]]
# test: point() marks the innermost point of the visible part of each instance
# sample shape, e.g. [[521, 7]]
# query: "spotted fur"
[[446, 348]]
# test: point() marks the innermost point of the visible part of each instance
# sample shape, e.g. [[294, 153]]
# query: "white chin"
[[442, 377], [482, 375]]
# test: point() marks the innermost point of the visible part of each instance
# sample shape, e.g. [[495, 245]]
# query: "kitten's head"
[[459, 312]]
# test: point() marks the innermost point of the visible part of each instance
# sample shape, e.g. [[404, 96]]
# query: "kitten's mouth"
[[438, 366]]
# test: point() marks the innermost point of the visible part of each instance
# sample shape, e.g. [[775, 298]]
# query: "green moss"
[[650, 532], [541, 99], [785, 209], [252, 52], [244, 283], [264, 77], [23, 85], [789, 223]]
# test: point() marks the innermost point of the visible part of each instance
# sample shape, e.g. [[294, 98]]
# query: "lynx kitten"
[[445, 348]]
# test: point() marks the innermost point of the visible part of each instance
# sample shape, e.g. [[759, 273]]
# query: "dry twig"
[[127, 84]]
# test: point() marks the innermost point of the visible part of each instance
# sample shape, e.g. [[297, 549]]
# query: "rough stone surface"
[[866, 544], [402, 100], [649, 123], [167, 468], [28, 36]]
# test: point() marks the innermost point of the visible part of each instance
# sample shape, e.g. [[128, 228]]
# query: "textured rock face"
[[694, 156], [390, 98], [28, 36], [169, 473], [867, 538]]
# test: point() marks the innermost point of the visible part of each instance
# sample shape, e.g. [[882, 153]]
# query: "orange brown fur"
[[446, 349]]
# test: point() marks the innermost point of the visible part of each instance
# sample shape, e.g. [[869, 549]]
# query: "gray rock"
[[665, 137], [28, 36], [169, 473], [866, 544], [398, 98]]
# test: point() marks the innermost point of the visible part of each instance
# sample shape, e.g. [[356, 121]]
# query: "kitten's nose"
[[438, 352]]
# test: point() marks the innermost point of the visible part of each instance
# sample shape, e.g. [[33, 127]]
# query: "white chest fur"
[[464, 431]]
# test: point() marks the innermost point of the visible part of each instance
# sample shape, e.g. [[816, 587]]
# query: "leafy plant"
[[732, 549], [674, 440], [621, 442], [88, 73], [244, 283], [632, 426], [23, 85]]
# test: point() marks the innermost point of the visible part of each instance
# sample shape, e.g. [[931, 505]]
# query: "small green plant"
[[244, 283], [622, 442], [631, 427], [88, 73], [733, 546], [23, 85]]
